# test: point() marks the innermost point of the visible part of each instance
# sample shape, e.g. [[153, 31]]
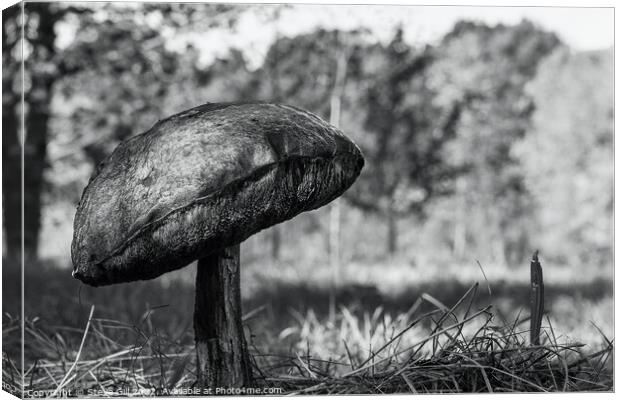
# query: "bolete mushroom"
[[195, 186]]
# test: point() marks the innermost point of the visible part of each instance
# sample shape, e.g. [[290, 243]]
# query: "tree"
[[568, 156], [310, 71], [41, 68], [11, 146], [492, 66], [406, 133]]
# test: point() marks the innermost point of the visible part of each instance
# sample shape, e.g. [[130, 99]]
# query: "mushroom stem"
[[221, 351]]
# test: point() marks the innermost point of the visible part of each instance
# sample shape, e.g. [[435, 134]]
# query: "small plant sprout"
[[537, 299]]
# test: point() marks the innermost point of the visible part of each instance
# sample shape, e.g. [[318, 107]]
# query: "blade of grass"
[[64, 381], [409, 383], [518, 378], [602, 334], [348, 354], [450, 311], [435, 302], [415, 344], [303, 364], [485, 278], [411, 325], [484, 374], [247, 316]]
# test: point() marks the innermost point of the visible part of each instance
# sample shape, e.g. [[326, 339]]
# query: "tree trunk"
[[276, 240], [392, 238], [11, 180], [34, 164], [41, 69], [334, 255], [498, 240], [460, 223], [11, 145], [335, 105], [459, 240], [334, 234], [221, 350]]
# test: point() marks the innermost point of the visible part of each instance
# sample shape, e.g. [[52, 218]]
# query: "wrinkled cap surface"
[[202, 180]]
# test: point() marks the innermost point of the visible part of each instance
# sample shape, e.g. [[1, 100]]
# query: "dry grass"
[[459, 348]]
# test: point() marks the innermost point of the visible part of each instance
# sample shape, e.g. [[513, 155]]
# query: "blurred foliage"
[[491, 65], [401, 129], [498, 136], [405, 131], [124, 78], [568, 156], [302, 69]]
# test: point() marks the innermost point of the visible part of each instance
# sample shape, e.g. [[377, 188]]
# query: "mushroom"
[[194, 187]]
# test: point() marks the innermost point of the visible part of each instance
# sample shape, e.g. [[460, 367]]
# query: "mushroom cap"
[[203, 180]]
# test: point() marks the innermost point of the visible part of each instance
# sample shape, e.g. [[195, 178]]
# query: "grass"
[[462, 350], [431, 345]]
